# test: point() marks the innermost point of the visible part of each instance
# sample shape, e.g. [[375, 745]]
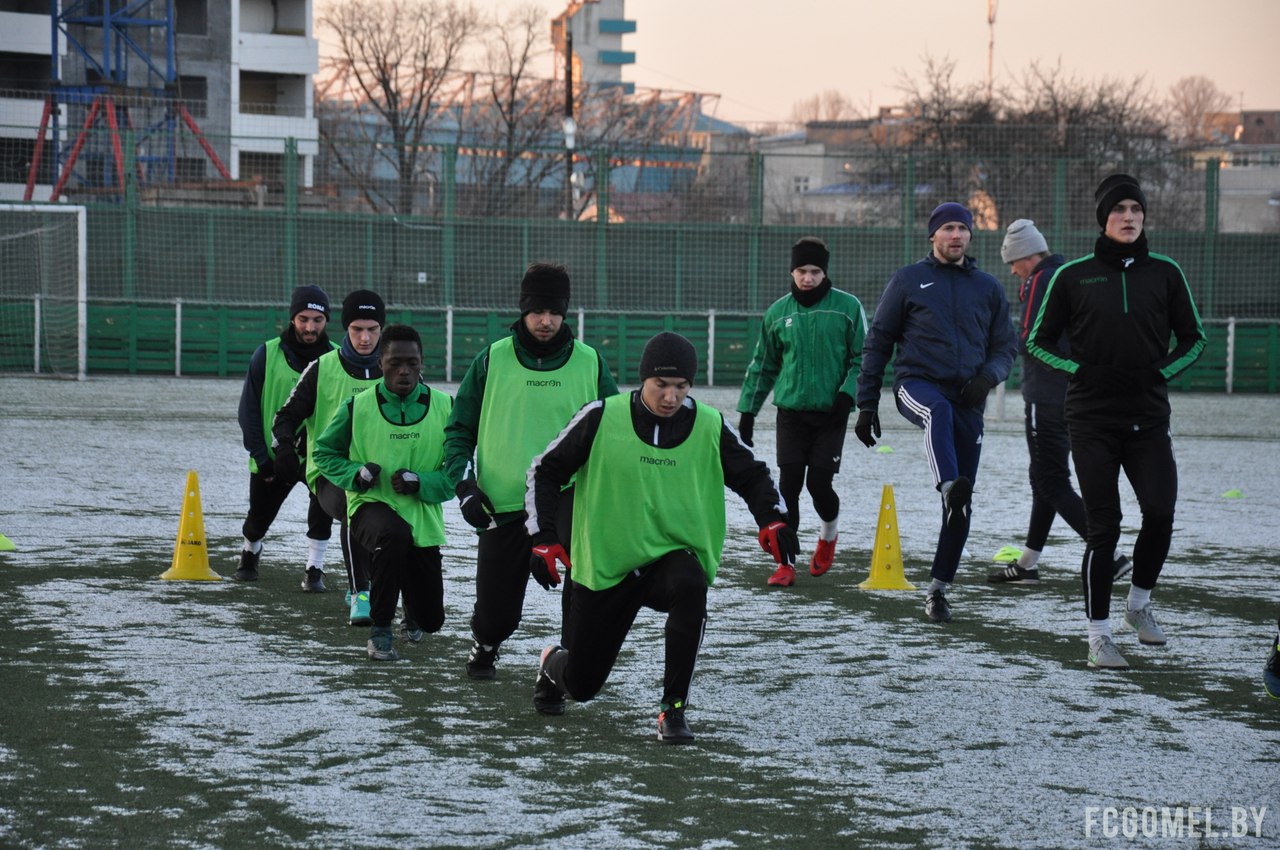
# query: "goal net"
[[43, 290]]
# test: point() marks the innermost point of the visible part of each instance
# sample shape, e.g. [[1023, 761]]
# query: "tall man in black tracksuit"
[[1119, 307], [516, 396], [274, 368], [949, 322], [1044, 393]]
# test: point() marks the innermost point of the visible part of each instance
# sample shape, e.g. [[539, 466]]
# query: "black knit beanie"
[[809, 252], [308, 297], [544, 287], [669, 355], [1113, 190], [363, 304]]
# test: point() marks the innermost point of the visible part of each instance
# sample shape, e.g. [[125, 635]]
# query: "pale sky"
[[762, 57]]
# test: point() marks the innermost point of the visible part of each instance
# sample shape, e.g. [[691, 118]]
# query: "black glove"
[[780, 541], [542, 563], [746, 425], [404, 482], [840, 409], [266, 469], [366, 476], [476, 508], [287, 464], [868, 423], [1107, 379], [974, 393]]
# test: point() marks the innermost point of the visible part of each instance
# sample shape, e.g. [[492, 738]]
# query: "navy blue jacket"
[[949, 322], [1041, 384]]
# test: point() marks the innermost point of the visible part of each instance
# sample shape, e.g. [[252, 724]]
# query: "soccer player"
[[274, 368], [331, 380], [516, 396], [1120, 307], [949, 322], [648, 526], [808, 354], [385, 447]]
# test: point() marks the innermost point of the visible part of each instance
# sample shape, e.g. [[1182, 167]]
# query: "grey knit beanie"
[[1022, 239]]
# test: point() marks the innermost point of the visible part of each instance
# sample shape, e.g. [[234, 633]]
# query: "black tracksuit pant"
[[398, 567], [502, 576], [1052, 495], [354, 556], [675, 585], [265, 499], [1146, 457]]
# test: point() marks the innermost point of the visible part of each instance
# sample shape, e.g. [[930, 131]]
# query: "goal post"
[[44, 291]]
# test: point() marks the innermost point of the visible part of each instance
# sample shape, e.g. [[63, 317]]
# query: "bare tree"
[[1192, 104], [398, 57], [831, 105]]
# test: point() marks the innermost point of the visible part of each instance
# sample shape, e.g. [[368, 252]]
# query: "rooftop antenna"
[[991, 43]]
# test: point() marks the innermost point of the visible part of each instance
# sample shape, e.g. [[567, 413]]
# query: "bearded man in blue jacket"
[[949, 323]]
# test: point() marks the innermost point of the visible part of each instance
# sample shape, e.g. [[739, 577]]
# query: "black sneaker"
[[1014, 574], [1121, 568], [411, 631], [1271, 673], [380, 647], [313, 580], [673, 728], [480, 662], [936, 607], [957, 502], [248, 570], [547, 696]]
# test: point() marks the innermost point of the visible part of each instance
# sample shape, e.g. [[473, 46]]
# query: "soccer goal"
[[43, 290]]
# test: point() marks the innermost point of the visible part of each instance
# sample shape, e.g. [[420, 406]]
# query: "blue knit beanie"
[[948, 212]]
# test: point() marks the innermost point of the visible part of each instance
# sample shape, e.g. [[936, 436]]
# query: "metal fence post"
[[448, 246], [290, 213], [1210, 247]]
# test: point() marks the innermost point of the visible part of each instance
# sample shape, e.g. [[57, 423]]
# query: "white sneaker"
[[1145, 623], [1105, 656]]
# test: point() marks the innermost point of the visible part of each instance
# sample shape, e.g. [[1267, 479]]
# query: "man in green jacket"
[[397, 425], [808, 354], [516, 396]]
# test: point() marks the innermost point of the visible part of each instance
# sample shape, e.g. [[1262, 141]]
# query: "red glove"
[[542, 563], [780, 541]]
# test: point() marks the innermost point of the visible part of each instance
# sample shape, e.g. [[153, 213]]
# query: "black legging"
[[791, 478]]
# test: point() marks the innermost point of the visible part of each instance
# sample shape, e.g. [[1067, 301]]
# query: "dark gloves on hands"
[[780, 541], [404, 482], [287, 463], [266, 469], [366, 476], [542, 563], [746, 427], [975, 391], [868, 423], [476, 508]]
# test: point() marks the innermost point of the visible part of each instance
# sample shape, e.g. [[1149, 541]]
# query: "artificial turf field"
[[146, 713]]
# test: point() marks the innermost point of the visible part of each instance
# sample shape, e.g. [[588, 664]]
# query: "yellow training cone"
[[886, 554], [191, 553]]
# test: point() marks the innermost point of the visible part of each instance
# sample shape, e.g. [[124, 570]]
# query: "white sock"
[[1138, 598], [315, 553], [1027, 560], [1098, 629], [937, 584], [254, 546], [829, 530]]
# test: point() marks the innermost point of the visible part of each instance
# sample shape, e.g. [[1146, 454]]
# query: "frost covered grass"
[[174, 714]]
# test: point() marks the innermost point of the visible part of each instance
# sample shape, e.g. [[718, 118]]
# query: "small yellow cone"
[[6, 545], [191, 553], [886, 555]]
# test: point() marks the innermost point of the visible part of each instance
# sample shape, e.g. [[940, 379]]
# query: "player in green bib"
[[516, 396], [648, 526], [274, 368], [386, 447], [321, 390]]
